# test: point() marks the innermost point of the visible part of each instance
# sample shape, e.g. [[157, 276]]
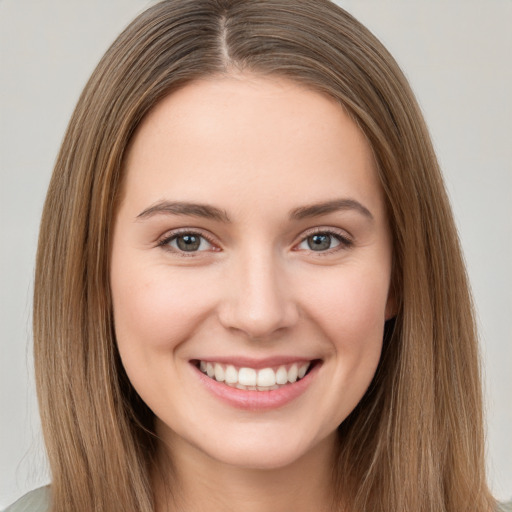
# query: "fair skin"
[[259, 283]]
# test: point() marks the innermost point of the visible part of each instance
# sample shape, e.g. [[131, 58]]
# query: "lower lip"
[[258, 400]]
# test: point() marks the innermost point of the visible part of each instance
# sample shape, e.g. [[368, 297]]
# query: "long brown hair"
[[415, 442]]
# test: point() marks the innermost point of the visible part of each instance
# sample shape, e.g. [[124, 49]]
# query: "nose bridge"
[[258, 302]]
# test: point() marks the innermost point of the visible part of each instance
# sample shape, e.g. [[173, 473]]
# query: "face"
[[250, 269]]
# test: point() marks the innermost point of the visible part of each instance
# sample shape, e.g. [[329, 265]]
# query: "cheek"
[[350, 311], [351, 306], [152, 320], [155, 309]]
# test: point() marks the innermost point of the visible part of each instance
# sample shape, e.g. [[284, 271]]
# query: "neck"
[[198, 483]]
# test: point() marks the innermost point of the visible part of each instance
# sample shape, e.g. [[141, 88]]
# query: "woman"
[[247, 195]]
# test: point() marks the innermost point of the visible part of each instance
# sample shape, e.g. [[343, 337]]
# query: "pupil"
[[319, 242], [188, 242]]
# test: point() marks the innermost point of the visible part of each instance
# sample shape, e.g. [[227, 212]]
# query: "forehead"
[[257, 136]]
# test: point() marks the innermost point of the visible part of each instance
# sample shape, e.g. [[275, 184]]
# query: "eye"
[[186, 242], [323, 241]]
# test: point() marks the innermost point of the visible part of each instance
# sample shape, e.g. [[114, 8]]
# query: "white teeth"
[[281, 375], [231, 374], [219, 373], [265, 379], [293, 373], [302, 370], [247, 376]]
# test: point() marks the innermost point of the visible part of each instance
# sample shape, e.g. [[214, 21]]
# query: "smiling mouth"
[[251, 379]]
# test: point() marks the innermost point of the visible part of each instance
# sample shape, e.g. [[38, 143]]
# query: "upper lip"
[[250, 362]]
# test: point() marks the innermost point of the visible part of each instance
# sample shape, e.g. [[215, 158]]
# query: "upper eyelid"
[[185, 231], [342, 233], [170, 235], [325, 229]]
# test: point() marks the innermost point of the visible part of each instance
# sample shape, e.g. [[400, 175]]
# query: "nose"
[[258, 300]]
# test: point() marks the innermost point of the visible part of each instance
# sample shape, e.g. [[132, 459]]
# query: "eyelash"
[[344, 241], [164, 243]]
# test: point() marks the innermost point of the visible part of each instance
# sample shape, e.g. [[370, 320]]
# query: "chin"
[[263, 452], [258, 459]]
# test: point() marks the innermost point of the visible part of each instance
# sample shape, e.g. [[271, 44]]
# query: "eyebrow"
[[183, 208], [211, 212], [324, 208]]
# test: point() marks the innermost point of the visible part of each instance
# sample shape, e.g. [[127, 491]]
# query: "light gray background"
[[457, 55]]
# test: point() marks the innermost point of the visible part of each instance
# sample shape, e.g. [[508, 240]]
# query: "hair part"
[[415, 441]]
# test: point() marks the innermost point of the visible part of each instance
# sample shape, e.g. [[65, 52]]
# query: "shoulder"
[[37, 500]]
